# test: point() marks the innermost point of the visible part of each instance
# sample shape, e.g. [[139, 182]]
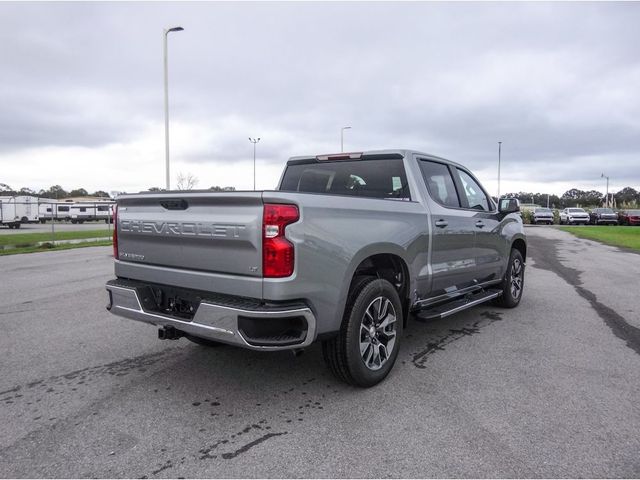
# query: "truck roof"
[[368, 155]]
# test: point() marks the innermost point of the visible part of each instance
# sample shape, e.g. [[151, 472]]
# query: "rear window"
[[384, 178]]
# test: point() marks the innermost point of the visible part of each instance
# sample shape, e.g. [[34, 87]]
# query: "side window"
[[476, 198], [440, 183]]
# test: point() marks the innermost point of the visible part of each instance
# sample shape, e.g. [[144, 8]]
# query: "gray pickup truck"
[[344, 251]]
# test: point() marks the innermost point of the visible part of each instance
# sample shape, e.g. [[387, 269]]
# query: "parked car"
[[603, 216], [571, 216], [629, 217], [342, 252], [543, 215]]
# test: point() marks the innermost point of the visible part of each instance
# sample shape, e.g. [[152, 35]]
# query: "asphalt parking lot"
[[550, 389]]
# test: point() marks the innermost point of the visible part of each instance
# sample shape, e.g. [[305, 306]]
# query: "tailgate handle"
[[175, 204]]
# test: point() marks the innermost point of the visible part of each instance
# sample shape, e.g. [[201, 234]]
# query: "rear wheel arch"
[[520, 245], [389, 266]]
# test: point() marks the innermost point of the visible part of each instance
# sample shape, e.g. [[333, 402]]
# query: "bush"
[[527, 217]]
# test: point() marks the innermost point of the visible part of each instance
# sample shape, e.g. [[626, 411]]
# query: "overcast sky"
[[81, 92]]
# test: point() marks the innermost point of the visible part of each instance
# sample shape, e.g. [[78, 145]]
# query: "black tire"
[[511, 297], [343, 354], [205, 342], [16, 225]]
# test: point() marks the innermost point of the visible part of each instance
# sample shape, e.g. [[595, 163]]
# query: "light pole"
[[499, 158], [254, 141], [342, 137], [166, 99], [606, 202]]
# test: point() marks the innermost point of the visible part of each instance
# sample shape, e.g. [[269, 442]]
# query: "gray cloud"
[[557, 83]]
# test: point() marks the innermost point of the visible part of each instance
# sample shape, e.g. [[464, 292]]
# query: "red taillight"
[[115, 231], [277, 252]]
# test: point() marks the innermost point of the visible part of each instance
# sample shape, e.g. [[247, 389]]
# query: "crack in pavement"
[[419, 359], [545, 254], [228, 456], [57, 383]]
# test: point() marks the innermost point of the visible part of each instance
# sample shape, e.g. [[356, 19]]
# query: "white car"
[[572, 216]]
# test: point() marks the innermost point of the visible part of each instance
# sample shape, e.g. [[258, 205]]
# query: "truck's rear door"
[[194, 231]]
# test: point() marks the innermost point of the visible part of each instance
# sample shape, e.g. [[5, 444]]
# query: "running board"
[[449, 308]]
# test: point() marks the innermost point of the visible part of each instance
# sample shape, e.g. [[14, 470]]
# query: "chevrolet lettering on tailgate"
[[182, 228]]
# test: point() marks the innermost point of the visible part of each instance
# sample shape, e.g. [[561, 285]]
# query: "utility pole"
[[499, 158], [166, 99], [606, 202], [342, 137], [254, 141]]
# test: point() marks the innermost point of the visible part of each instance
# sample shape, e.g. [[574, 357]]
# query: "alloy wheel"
[[377, 333], [516, 278]]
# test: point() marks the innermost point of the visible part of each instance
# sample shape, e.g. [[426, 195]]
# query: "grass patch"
[[49, 247], [31, 238], [628, 237]]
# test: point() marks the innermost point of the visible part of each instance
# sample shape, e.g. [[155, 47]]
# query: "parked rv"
[[88, 211], [76, 212], [16, 210], [51, 209]]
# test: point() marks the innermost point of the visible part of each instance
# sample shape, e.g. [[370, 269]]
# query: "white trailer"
[[16, 210], [104, 211], [47, 209], [52, 209], [87, 211]]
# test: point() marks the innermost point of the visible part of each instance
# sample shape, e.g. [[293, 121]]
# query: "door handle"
[[441, 223], [479, 224]]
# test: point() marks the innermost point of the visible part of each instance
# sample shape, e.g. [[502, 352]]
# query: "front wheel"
[[513, 282], [364, 351]]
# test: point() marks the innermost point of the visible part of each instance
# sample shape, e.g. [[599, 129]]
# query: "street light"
[[499, 155], [342, 137], [254, 141], [607, 196], [166, 99]]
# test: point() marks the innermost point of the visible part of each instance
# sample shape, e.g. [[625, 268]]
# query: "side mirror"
[[508, 205]]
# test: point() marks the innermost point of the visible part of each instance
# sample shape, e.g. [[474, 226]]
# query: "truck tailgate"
[[197, 231]]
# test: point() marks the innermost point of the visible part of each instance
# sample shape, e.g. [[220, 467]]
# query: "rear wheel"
[[365, 350], [513, 282]]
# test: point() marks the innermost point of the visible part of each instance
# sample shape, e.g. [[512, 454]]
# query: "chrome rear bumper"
[[211, 321]]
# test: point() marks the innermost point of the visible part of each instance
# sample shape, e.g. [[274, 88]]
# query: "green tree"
[[6, 189], [627, 196], [54, 191]]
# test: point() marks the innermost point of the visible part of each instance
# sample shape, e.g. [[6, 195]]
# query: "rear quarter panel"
[[333, 236]]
